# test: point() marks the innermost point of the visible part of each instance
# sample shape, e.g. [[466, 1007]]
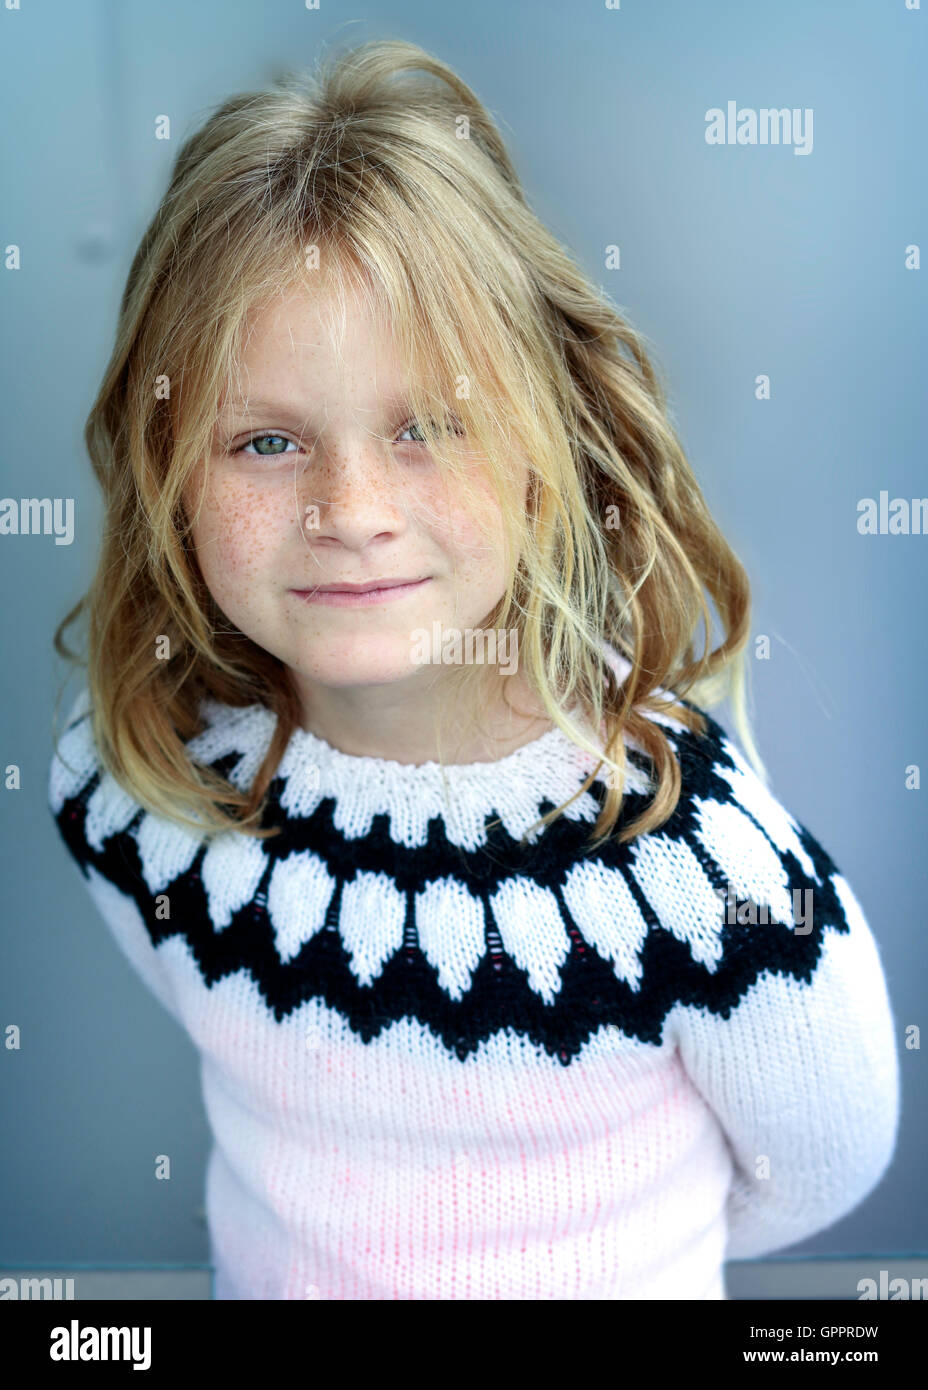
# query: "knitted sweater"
[[441, 1064]]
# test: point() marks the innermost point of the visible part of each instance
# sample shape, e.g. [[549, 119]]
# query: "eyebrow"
[[244, 410]]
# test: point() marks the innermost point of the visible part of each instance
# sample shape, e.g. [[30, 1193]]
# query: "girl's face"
[[299, 495]]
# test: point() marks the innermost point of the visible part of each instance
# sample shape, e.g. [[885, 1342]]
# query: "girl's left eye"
[[408, 429], [452, 426]]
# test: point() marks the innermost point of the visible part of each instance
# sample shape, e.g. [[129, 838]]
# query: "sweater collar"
[[547, 769]]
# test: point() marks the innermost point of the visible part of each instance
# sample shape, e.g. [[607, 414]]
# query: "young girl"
[[511, 979]]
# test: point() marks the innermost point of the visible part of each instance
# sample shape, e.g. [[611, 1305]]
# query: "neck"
[[408, 725]]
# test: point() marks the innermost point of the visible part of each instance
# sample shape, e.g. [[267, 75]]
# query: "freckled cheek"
[[240, 534]]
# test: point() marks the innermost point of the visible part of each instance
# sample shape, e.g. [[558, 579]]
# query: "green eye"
[[273, 453]]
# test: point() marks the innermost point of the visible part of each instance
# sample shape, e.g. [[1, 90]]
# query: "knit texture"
[[441, 1064]]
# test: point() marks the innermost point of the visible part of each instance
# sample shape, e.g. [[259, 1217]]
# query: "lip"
[[363, 588], [360, 595]]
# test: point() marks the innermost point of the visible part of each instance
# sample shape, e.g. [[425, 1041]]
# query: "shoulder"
[[87, 804], [728, 811], [728, 828], [74, 757], [228, 733], [726, 816], [731, 884], [92, 808]]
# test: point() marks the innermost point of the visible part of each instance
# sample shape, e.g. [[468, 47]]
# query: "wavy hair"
[[380, 172]]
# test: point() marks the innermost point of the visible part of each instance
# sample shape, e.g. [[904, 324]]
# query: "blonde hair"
[[399, 188]]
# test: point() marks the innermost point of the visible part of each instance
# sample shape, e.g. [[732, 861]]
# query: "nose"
[[350, 495]]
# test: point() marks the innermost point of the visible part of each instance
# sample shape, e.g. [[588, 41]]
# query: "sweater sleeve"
[[796, 1052], [89, 807]]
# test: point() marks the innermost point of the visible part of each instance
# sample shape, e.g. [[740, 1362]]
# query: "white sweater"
[[441, 1065]]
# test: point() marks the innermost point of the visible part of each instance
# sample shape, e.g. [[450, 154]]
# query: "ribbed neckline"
[[309, 762], [411, 795], [304, 744], [550, 767]]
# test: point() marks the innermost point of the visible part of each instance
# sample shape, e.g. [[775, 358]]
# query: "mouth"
[[360, 595], [365, 588]]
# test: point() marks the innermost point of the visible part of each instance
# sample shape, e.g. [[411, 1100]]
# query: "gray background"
[[735, 261]]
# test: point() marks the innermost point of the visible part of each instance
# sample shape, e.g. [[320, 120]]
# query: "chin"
[[354, 661]]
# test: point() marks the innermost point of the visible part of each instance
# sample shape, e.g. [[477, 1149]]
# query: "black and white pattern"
[[371, 899], [659, 1053]]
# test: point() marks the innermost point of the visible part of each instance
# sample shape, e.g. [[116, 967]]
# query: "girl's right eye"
[[275, 453]]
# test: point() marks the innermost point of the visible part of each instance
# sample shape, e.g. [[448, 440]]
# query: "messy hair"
[[380, 173]]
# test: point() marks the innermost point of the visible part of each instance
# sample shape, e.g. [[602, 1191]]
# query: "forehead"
[[315, 319], [308, 346]]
